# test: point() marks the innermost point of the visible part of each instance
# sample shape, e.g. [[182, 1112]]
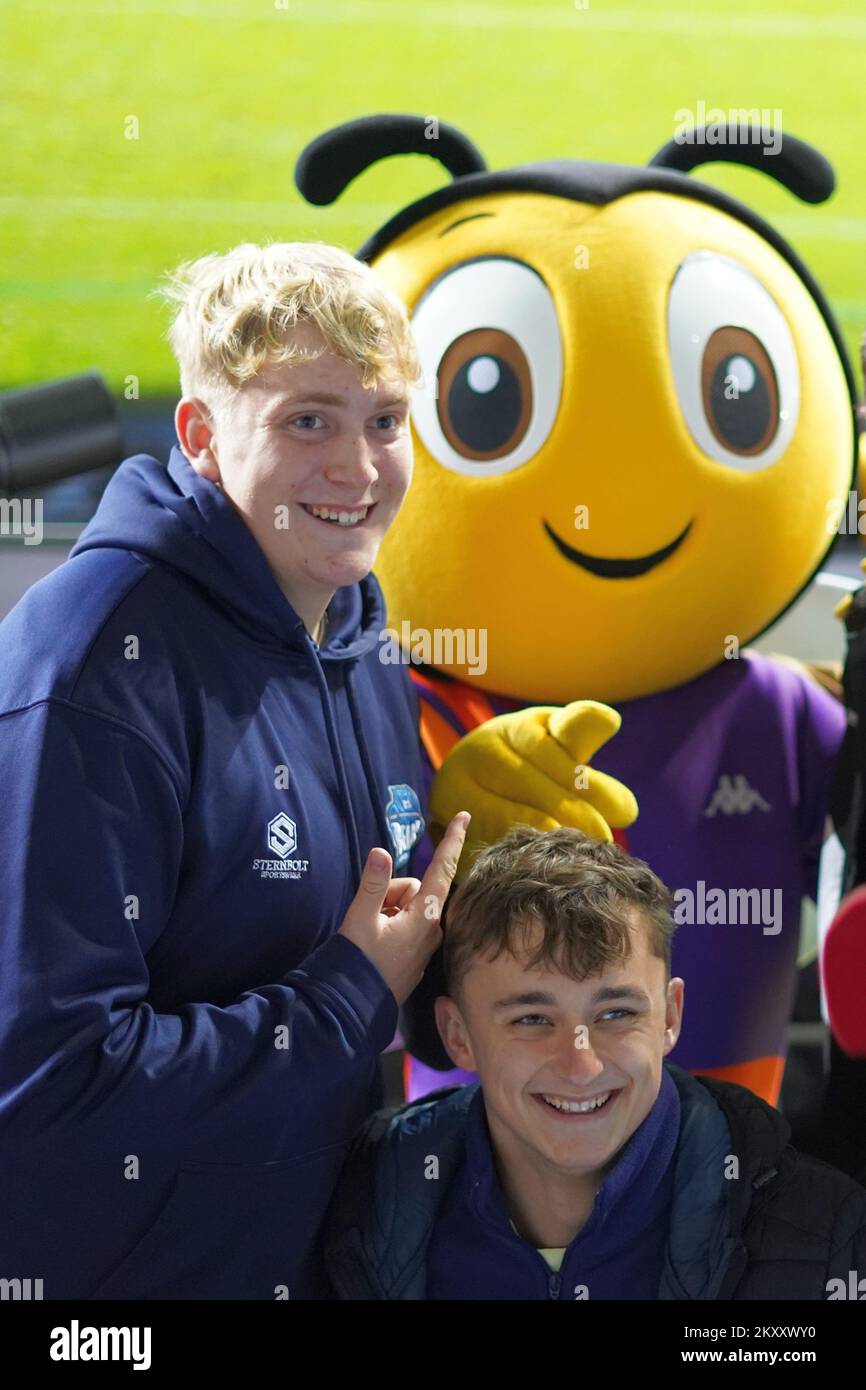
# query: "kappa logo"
[[734, 797], [282, 835], [405, 821]]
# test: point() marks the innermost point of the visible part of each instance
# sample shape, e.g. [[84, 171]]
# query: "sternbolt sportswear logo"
[[282, 834], [734, 797]]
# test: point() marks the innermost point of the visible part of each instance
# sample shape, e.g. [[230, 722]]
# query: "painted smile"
[[615, 569]]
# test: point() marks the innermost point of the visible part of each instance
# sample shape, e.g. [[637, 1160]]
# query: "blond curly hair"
[[236, 311]]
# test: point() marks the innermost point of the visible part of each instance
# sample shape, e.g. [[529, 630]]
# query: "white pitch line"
[[822, 228], [812, 226], [205, 209], [725, 24]]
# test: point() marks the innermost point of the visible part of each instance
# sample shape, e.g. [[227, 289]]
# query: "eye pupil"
[[484, 403], [740, 407], [740, 391]]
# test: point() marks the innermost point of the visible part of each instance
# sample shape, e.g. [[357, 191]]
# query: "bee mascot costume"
[[634, 443]]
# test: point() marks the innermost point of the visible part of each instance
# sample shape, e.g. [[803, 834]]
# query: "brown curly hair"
[[582, 891]]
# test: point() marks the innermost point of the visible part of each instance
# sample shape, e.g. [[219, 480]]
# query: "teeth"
[[577, 1107], [343, 518]]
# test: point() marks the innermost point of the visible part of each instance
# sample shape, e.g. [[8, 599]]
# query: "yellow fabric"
[[552, 1256], [532, 766], [471, 552]]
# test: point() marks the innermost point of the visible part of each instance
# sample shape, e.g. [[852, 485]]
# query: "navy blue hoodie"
[[190, 787]]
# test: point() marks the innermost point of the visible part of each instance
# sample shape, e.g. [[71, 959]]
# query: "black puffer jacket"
[[788, 1226]]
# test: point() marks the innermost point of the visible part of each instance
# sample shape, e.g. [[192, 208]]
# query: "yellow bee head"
[[636, 433]]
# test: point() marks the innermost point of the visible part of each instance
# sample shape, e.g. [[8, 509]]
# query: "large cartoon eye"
[[734, 362], [491, 352]]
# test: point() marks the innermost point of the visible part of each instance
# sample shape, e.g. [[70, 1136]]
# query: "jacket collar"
[[178, 519], [628, 1199], [730, 1146]]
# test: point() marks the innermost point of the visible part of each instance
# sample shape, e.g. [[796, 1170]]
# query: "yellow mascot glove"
[[531, 767]]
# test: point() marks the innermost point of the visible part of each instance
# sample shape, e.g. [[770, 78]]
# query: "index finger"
[[443, 866]]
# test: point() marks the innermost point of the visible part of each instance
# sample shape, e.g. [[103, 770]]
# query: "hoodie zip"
[[373, 788], [514, 1243], [336, 754], [367, 762]]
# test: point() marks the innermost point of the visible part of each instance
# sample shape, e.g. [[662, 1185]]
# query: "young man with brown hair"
[[581, 1165]]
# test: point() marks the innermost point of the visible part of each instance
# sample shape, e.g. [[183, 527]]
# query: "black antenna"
[[329, 163], [799, 167]]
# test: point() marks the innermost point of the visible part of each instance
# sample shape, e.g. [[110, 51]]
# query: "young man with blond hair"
[[581, 1165], [208, 775]]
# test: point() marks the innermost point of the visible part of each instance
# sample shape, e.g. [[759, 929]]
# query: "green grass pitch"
[[227, 92]]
